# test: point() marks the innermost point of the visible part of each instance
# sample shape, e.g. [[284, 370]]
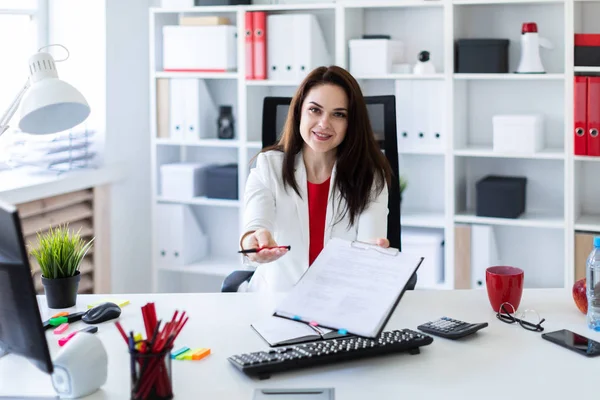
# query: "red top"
[[318, 194]]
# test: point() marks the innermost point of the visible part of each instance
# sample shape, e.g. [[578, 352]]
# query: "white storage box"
[[180, 239], [182, 180], [199, 48], [430, 245], [518, 133], [374, 56]]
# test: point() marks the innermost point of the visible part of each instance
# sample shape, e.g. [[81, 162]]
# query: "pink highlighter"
[[61, 328], [63, 340]]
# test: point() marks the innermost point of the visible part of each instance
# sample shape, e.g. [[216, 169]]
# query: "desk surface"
[[499, 361]]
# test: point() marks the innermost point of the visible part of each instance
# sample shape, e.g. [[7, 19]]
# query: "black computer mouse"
[[102, 312]]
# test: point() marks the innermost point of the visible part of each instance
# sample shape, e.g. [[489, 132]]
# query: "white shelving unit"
[[561, 194]]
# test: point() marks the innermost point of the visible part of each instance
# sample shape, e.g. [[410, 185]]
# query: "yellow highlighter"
[[120, 302]]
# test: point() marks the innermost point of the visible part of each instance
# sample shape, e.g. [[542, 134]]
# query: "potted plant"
[[403, 184], [59, 254]]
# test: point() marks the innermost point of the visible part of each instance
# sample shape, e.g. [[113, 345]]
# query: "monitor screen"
[[21, 329]]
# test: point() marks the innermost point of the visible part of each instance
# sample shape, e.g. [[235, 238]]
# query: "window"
[[19, 21]]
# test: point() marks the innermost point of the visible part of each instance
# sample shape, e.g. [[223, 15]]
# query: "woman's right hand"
[[262, 238]]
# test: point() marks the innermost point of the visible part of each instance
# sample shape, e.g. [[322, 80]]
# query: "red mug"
[[504, 285]]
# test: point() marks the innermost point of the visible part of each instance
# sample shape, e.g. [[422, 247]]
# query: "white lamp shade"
[[51, 105]]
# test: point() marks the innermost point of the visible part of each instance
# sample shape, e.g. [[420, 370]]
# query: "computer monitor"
[[21, 328]]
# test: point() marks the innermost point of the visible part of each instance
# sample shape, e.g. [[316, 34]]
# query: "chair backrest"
[[382, 115]]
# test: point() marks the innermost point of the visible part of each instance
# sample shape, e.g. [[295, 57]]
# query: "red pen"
[[263, 248]]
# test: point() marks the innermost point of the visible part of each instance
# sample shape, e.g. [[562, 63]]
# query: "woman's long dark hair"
[[360, 162]]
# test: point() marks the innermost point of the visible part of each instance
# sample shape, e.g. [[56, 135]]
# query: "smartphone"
[[575, 342]]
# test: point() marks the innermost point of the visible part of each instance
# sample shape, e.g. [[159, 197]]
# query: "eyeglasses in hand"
[[528, 319]]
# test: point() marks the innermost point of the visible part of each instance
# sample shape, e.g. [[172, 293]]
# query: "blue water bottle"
[[593, 286]]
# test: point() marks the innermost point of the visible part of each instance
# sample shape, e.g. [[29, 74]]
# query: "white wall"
[[128, 140], [108, 42], [79, 26]]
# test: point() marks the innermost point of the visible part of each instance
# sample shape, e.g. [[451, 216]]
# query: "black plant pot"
[[62, 292]]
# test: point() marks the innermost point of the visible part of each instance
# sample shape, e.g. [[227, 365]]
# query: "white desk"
[[501, 361]]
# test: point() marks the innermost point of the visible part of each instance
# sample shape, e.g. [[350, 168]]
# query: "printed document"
[[351, 286]]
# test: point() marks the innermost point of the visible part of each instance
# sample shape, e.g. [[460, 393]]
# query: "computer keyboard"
[[265, 363]]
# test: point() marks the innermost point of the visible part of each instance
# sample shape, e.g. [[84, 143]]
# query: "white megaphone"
[[530, 62]]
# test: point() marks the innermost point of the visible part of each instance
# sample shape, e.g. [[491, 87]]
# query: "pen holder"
[[151, 375]]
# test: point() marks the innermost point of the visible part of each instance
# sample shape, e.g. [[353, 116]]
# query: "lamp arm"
[[12, 109]]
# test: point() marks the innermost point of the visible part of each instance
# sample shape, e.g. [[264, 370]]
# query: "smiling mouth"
[[321, 136]]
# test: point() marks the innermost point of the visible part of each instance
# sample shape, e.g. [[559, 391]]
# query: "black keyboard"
[[265, 363]]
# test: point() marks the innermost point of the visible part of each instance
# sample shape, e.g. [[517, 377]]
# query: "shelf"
[[517, 2], [528, 219], [254, 145], [393, 4], [267, 82], [199, 9], [218, 266], [587, 69], [197, 75], [201, 201], [508, 77], [587, 222], [487, 151], [422, 219], [199, 143], [425, 152], [587, 158], [290, 7], [402, 77]]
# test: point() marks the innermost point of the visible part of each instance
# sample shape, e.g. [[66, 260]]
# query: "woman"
[[325, 178]]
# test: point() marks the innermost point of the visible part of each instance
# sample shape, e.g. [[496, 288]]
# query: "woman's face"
[[324, 118]]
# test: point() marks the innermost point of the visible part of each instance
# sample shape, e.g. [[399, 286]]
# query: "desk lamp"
[[47, 104]]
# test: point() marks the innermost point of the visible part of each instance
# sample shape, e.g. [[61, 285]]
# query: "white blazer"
[[268, 204]]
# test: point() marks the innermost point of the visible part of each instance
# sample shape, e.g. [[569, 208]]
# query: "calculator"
[[451, 328]]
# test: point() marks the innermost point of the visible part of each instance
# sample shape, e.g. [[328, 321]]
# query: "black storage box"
[[481, 56], [587, 50], [501, 196], [222, 182]]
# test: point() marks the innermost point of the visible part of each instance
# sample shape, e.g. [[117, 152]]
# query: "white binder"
[[420, 116], [295, 46], [407, 141], [176, 109], [309, 47], [280, 53], [484, 253], [435, 138], [180, 240], [200, 111]]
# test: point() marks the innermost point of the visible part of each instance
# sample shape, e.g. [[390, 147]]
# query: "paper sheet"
[[351, 287], [276, 330]]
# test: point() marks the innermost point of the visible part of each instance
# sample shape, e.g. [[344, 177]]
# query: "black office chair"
[[382, 113]]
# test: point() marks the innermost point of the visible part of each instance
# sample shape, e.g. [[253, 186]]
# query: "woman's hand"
[[262, 238], [382, 242]]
